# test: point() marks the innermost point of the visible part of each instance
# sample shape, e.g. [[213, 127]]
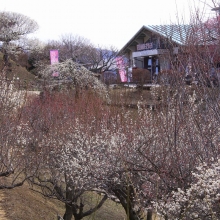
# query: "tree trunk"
[[149, 215], [5, 59], [5, 67], [125, 197], [68, 212]]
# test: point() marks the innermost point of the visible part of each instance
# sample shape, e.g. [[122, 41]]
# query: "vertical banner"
[[54, 58], [121, 68]]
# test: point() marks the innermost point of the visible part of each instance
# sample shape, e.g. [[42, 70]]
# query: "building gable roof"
[[178, 34]]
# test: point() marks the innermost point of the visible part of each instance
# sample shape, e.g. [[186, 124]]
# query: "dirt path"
[[2, 211]]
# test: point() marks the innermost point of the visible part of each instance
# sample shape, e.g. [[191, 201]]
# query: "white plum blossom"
[[77, 75], [14, 25], [10, 98], [200, 201]]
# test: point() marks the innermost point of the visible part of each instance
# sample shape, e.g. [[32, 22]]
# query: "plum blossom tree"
[[140, 159], [159, 149], [136, 157], [199, 201], [14, 26], [67, 134], [17, 161], [76, 75]]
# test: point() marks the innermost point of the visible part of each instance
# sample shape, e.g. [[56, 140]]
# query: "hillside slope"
[[24, 204], [21, 75]]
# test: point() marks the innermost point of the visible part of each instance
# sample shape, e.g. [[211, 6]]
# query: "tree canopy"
[[14, 25]]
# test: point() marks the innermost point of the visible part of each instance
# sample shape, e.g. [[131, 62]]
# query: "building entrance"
[[152, 64]]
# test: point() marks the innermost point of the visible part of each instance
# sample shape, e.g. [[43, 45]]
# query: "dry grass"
[[26, 79], [130, 97], [24, 204]]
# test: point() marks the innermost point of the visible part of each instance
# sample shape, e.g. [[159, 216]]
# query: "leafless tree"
[[103, 59], [96, 58], [74, 47]]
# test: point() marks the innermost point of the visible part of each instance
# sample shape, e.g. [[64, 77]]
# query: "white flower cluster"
[[10, 98], [14, 25], [77, 74], [200, 201], [150, 154]]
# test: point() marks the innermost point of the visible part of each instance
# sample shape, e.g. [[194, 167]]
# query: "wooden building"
[[158, 47]]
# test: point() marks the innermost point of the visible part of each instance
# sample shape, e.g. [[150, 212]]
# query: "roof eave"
[[144, 27], [133, 38]]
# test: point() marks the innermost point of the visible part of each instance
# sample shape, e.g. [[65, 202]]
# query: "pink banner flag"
[[121, 68], [54, 56]]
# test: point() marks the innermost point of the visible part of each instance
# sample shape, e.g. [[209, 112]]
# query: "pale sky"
[[103, 22]]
